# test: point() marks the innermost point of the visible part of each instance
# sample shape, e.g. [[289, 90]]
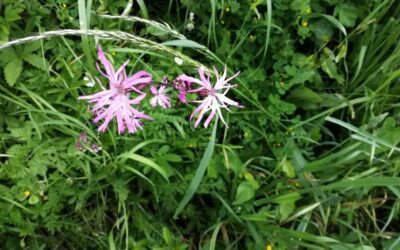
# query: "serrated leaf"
[[7, 54], [23, 134], [38, 165], [15, 167], [12, 13], [13, 70], [36, 61], [31, 47]]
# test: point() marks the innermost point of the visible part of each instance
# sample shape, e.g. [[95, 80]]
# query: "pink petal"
[[209, 118], [225, 99], [200, 107], [182, 95], [205, 81], [107, 65], [221, 117], [153, 101], [153, 90], [138, 78]]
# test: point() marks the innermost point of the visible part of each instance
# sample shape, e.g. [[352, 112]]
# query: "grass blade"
[[199, 173], [143, 8], [146, 162], [269, 24]]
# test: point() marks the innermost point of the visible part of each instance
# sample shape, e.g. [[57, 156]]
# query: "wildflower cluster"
[[125, 93]]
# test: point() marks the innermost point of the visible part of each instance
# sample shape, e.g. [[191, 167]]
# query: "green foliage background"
[[312, 162]]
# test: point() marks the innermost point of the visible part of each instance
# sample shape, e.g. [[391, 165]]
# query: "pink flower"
[[160, 97], [183, 83], [116, 102], [215, 96]]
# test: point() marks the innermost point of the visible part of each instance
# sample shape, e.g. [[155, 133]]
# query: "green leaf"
[[233, 162], [36, 61], [146, 162], [13, 70], [33, 199], [199, 173], [305, 98], [348, 14], [38, 165], [299, 4], [285, 209], [31, 47], [286, 198], [244, 192], [7, 55], [23, 133], [12, 13], [172, 157], [302, 76], [167, 236], [111, 241], [288, 168], [335, 22], [330, 68], [323, 30]]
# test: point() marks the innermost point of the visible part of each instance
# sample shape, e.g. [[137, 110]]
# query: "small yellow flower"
[[308, 10], [269, 247], [304, 23], [227, 9], [27, 193], [64, 5]]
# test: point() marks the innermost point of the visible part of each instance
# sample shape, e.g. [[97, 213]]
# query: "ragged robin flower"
[[160, 97], [116, 102], [215, 95]]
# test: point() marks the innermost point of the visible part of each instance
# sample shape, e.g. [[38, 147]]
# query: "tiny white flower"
[[178, 60], [89, 83]]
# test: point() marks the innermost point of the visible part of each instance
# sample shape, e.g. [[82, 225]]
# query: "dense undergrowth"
[[311, 162]]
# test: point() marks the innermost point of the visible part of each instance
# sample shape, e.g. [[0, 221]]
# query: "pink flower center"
[[121, 90], [211, 92]]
